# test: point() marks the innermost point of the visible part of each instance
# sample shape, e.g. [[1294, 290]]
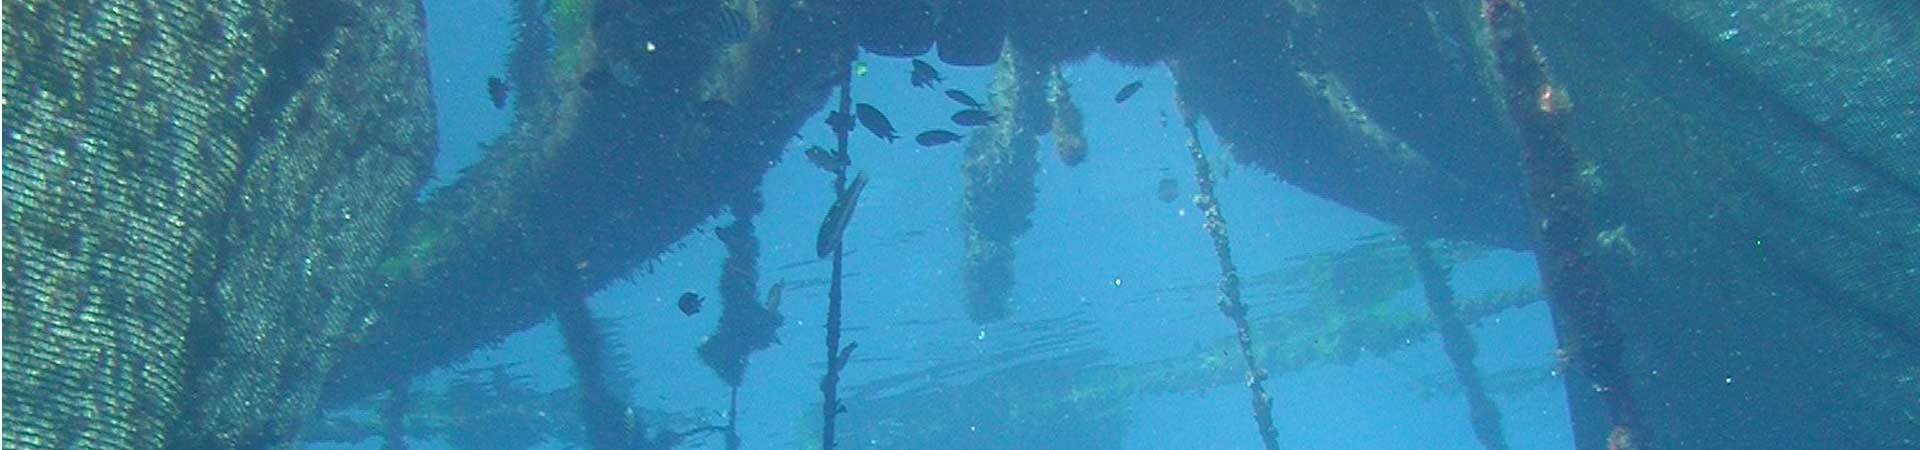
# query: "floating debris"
[[690, 303], [838, 217], [497, 92], [923, 74], [964, 99], [936, 137], [1127, 91], [875, 122], [860, 68], [773, 298], [1169, 190], [973, 118]]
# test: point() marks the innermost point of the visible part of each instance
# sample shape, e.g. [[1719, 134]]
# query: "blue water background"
[[1095, 225]]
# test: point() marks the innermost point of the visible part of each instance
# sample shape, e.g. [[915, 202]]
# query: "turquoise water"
[[1094, 272]]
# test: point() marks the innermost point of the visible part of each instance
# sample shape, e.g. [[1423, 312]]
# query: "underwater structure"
[[197, 197], [213, 224], [1001, 163], [1231, 304]]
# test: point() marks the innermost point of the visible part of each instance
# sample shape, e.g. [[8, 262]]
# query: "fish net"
[[194, 194]]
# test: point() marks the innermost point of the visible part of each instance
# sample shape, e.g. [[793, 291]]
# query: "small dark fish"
[[875, 122], [690, 303], [1169, 190], [936, 137], [1163, 118], [964, 99], [972, 118], [923, 74], [837, 218], [1127, 91], [497, 92], [826, 159], [841, 123]]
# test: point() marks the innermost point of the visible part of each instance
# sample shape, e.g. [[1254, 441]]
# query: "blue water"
[[1100, 246]]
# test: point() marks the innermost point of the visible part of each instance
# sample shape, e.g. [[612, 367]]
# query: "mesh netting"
[[189, 186]]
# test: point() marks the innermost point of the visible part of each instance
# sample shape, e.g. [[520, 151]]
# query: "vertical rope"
[[603, 405], [1230, 303], [836, 356], [1458, 342], [1577, 289], [733, 418]]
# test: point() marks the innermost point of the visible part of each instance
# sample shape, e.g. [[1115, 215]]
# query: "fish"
[[1169, 190], [837, 218], [972, 118], [690, 303], [931, 138], [1163, 118], [1127, 91], [923, 74], [964, 99], [773, 296], [827, 159], [841, 123], [875, 122], [497, 92]]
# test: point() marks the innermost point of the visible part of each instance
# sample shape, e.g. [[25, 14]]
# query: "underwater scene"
[[961, 224]]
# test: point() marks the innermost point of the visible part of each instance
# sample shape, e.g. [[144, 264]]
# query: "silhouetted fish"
[[936, 137], [1127, 91], [827, 159], [838, 217], [972, 118], [690, 303], [875, 122], [1169, 190], [841, 123], [923, 74], [497, 92], [964, 99]]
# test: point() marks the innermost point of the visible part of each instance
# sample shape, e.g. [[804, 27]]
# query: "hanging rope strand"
[[1457, 341], [1230, 303], [836, 356]]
